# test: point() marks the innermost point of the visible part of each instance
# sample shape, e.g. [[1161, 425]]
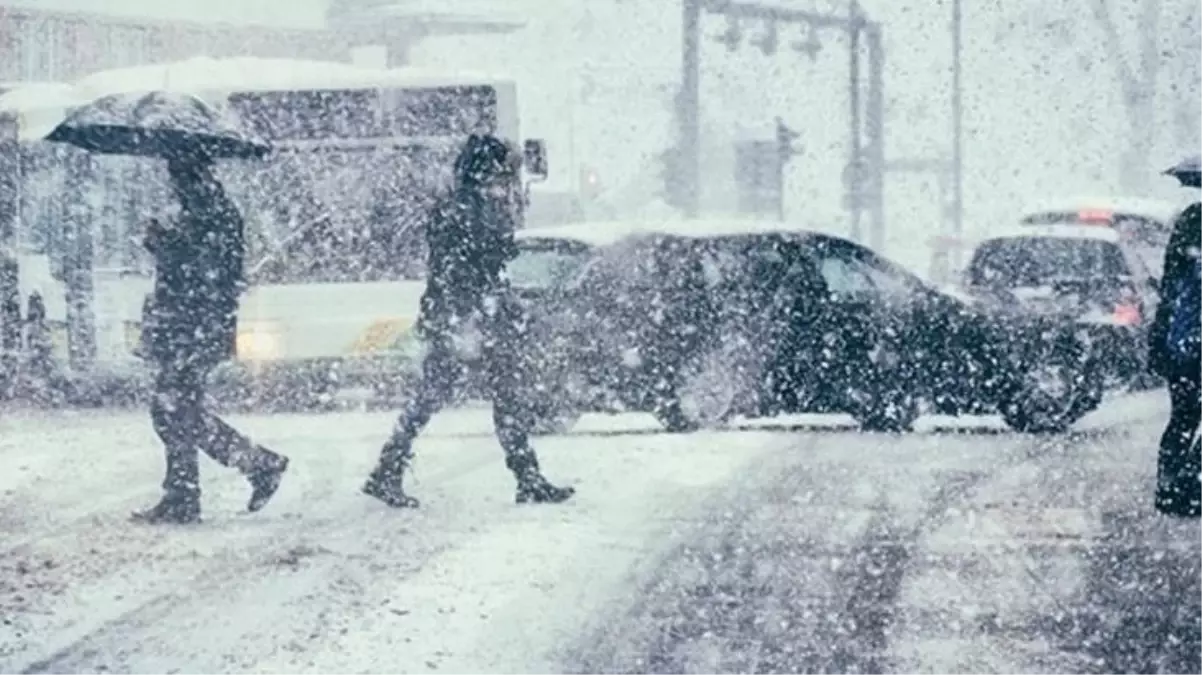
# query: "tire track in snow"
[[795, 578]]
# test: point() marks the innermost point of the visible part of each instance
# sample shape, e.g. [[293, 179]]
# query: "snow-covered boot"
[[534, 488], [386, 486], [265, 478], [175, 508]]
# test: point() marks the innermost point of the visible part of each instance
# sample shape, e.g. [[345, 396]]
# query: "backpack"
[[1184, 337]]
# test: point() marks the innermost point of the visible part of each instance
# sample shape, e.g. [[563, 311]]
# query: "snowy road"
[[934, 551]]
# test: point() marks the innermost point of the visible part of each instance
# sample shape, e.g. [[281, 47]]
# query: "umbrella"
[[158, 124], [1188, 171]]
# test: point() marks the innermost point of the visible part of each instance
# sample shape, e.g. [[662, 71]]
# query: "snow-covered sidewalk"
[[326, 580]]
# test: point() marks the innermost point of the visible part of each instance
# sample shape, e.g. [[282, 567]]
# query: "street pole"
[[874, 133], [689, 106], [957, 131], [855, 150]]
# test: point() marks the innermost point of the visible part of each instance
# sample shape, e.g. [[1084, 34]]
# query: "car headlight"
[[258, 342]]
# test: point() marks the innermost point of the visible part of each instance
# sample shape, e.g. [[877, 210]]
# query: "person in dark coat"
[[191, 328], [470, 239], [1174, 353]]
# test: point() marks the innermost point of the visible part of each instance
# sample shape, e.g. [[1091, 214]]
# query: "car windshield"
[[1037, 261], [543, 266]]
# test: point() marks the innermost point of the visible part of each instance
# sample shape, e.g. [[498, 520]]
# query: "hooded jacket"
[[470, 237]]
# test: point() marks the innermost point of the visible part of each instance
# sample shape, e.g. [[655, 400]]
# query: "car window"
[[844, 276], [885, 276], [545, 265], [1035, 261]]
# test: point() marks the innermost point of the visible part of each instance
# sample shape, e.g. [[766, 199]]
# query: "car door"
[[948, 347], [845, 328]]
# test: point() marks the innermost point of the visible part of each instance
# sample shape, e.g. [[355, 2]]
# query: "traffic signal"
[[786, 140]]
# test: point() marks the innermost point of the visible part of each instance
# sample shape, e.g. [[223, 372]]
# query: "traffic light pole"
[[866, 123], [957, 127], [688, 107]]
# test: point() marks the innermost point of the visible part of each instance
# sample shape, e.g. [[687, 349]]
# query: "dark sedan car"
[[696, 322]]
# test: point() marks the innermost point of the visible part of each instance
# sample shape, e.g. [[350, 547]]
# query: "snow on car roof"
[[605, 233], [1157, 209]]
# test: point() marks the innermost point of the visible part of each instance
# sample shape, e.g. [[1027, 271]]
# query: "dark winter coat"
[[470, 239], [1180, 256], [192, 314]]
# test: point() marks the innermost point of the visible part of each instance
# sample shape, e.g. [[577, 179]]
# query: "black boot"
[[534, 488], [385, 482], [265, 478], [177, 507], [387, 488]]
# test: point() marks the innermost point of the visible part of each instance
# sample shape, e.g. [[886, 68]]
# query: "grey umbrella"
[[163, 124]]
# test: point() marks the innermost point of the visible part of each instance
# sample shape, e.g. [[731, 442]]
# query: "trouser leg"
[[440, 371], [178, 420], [1179, 464], [512, 415]]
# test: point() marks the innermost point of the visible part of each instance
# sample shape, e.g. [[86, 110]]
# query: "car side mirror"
[[534, 156]]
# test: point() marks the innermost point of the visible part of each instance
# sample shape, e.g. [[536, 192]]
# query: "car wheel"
[[1049, 398], [706, 393]]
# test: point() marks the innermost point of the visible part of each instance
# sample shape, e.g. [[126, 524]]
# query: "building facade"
[[51, 46]]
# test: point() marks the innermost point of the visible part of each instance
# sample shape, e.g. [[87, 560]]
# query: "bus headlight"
[[258, 342]]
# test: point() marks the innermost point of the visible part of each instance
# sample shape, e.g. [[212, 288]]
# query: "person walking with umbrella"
[[190, 325], [191, 329], [470, 238], [1175, 352]]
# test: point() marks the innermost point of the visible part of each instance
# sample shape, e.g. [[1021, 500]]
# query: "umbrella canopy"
[[1188, 171], [158, 124]]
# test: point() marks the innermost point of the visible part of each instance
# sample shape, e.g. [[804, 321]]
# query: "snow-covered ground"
[[326, 580]]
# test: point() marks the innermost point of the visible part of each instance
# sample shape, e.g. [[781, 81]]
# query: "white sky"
[[1036, 120]]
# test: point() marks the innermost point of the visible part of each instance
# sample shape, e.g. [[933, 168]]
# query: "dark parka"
[[192, 314], [470, 239], [1178, 261]]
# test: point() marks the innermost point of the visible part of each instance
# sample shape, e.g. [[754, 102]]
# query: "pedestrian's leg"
[[512, 416], [173, 413], [1178, 486], [440, 371], [263, 468]]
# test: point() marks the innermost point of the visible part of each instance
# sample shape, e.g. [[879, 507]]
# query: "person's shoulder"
[[1190, 214]]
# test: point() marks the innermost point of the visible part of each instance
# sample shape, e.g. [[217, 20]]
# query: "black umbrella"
[[1188, 171], [158, 124]]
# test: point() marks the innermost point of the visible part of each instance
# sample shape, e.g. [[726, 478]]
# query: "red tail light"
[[1128, 314]]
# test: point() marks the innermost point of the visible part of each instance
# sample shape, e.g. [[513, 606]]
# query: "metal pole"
[[855, 150], [875, 133], [689, 114], [957, 130]]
